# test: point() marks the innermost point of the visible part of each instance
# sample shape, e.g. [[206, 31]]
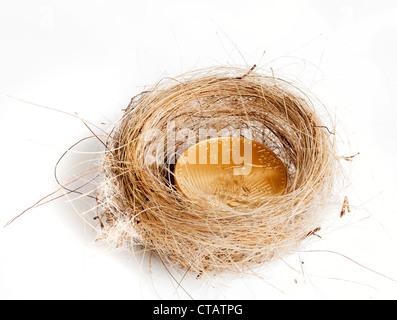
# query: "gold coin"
[[230, 170]]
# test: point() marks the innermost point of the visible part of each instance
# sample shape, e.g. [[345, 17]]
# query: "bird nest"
[[140, 204]]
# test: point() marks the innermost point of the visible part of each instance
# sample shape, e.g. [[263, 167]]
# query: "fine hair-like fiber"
[[138, 201]]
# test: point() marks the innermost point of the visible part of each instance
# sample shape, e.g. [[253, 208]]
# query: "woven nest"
[[139, 204]]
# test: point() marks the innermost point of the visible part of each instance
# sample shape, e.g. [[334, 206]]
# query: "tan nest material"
[[141, 206]]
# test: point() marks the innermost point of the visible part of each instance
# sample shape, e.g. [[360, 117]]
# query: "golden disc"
[[230, 170]]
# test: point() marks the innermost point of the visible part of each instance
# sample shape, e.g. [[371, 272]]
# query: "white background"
[[91, 57]]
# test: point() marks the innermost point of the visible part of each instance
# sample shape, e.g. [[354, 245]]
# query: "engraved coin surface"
[[230, 170]]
